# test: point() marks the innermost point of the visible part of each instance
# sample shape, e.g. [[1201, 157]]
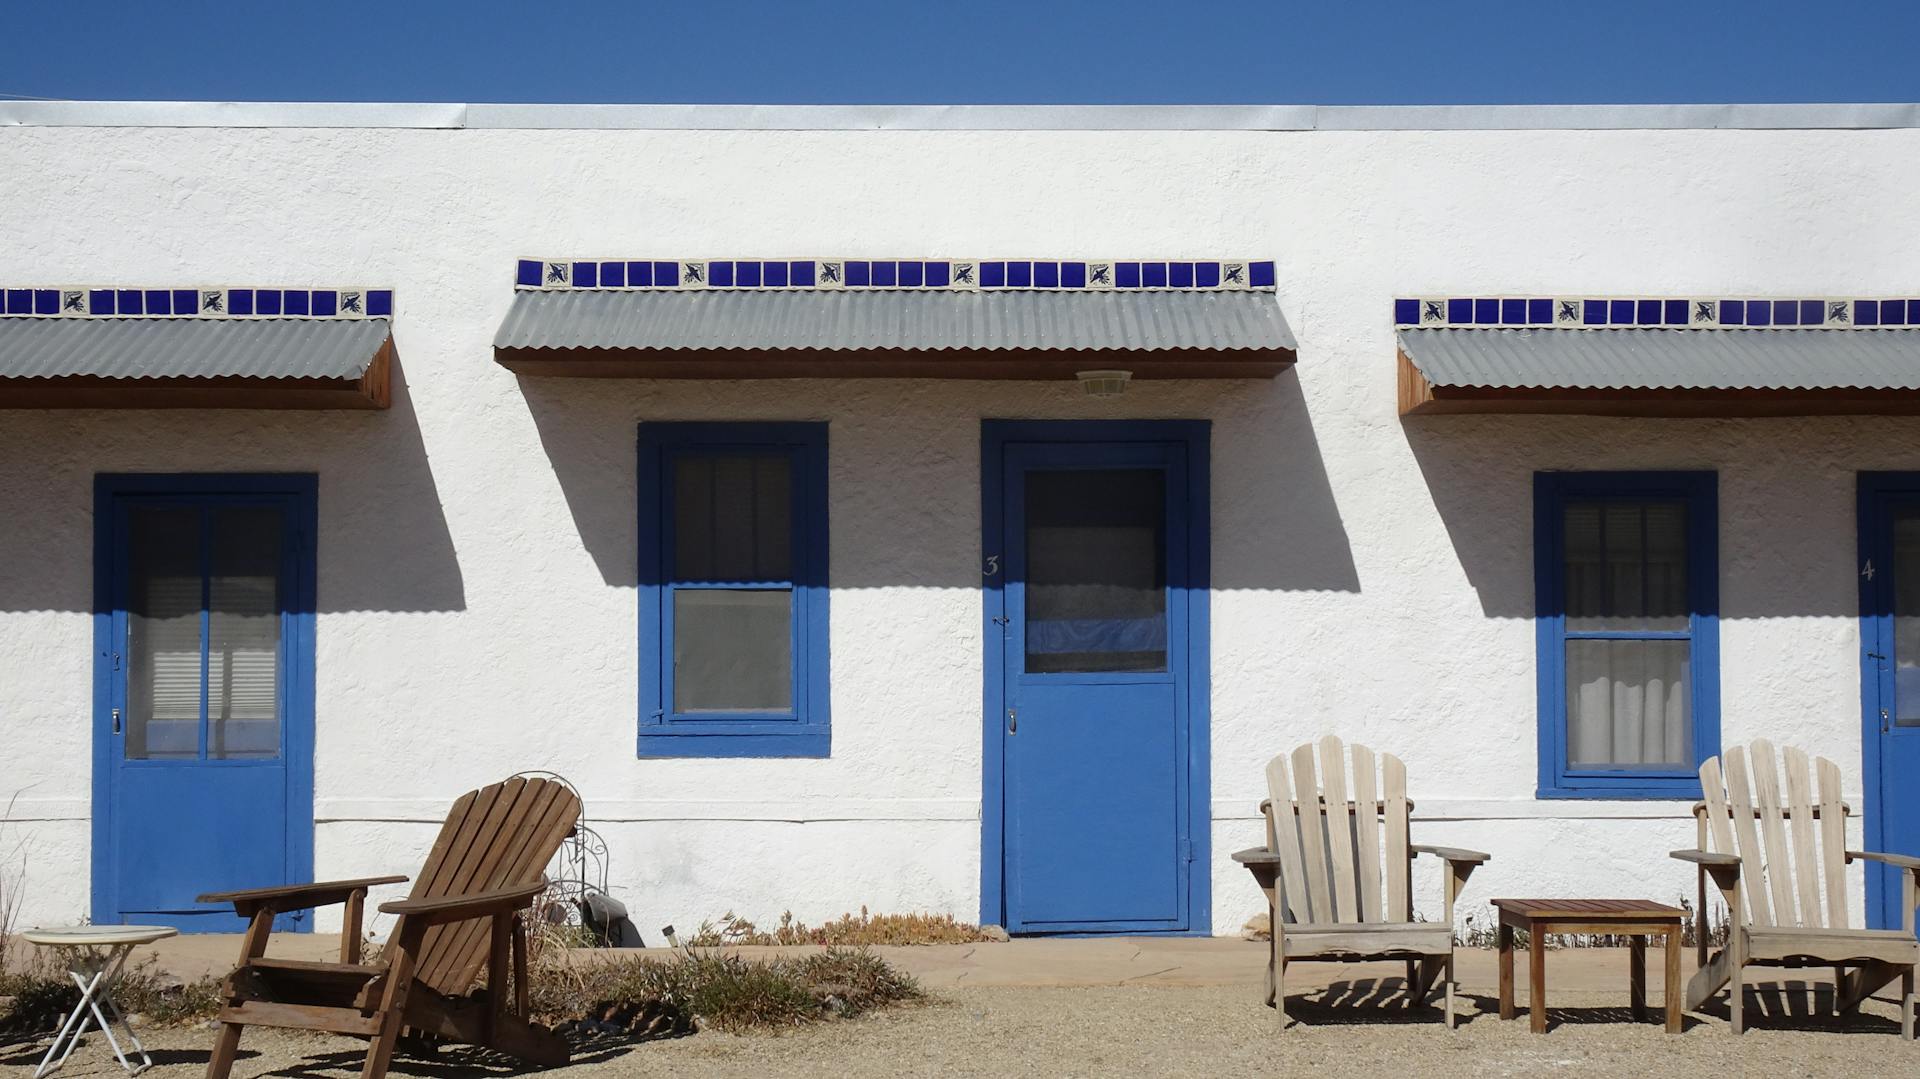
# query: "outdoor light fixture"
[[1104, 383]]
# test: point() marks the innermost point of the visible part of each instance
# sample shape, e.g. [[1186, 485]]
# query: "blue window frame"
[[733, 590], [1626, 587]]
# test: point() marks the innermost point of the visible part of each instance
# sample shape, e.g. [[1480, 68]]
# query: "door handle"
[[116, 721], [1013, 722]]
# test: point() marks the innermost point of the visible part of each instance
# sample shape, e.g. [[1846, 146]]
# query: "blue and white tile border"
[[942, 275], [1663, 312], [100, 301]]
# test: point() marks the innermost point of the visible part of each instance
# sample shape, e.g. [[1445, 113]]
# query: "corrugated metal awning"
[[1660, 372], [194, 362], [743, 333]]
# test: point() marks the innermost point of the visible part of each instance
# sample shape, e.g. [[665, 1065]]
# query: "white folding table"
[[97, 957]]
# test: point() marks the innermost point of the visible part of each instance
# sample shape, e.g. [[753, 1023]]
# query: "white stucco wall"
[[1373, 577]]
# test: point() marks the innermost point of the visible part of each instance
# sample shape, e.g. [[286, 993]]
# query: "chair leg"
[[225, 1046], [1451, 1019], [1736, 999], [1906, 1004], [1413, 975]]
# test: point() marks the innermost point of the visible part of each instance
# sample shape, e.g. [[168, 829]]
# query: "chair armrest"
[[1256, 856], [459, 908], [1898, 861], [287, 897], [1452, 854], [1709, 859]]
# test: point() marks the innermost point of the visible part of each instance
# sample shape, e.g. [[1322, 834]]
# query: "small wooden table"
[[1636, 919]]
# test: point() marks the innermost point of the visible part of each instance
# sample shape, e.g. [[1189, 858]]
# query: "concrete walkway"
[[1036, 963]]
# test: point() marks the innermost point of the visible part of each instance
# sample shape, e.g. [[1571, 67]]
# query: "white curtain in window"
[[1627, 704]]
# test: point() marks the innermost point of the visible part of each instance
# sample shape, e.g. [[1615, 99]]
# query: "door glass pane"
[[1906, 615], [163, 633], [732, 517], [1627, 704], [243, 633], [1626, 565], [1096, 579], [732, 650]]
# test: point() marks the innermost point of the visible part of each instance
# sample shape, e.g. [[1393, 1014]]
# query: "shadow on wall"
[[904, 464], [1786, 514], [383, 543]]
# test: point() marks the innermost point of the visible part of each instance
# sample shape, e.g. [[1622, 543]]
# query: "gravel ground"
[[1213, 1032]]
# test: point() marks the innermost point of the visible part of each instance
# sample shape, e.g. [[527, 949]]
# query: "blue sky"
[[911, 51]]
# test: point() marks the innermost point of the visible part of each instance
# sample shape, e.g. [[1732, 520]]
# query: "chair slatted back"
[[1341, 834], [496, 837], [1791, 838]]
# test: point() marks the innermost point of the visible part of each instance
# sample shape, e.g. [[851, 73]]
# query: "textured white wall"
[[1374, 577]]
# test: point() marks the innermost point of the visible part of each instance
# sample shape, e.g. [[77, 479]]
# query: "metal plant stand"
[[97, 959]]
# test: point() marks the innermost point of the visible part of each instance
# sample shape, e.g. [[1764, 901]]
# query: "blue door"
[[1890, 678], [1100, 762], [203, 759]]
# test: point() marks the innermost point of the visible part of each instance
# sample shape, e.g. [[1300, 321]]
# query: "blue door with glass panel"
[[204, 691], [1890, 679], [1096, 764]]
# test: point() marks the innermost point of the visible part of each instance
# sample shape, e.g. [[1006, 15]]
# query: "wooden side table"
[[1636, 919]]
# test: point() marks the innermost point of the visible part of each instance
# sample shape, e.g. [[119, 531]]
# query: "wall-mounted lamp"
[[1104, 383]]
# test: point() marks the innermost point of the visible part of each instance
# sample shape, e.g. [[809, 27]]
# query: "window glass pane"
[[1906, 615], [732, 517], [1625, 565], [163, 633], [732, 650], [243, 633], [1628, 704], [1096, 579]]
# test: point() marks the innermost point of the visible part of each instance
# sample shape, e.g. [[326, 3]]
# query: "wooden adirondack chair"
[[1323, 866], [1774, 861], [461, 917]]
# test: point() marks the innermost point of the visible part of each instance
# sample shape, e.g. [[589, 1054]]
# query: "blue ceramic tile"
[[1593, 313], [1733, 313], [46, 301], [1180, 274], [326, 302], [747, 274], [885, 274], [1786, 312], [1074, 274], [912, 274], [1486, 312], [1812, 313], [528, 272], [186, 301], [720, 274], [586, 275], [1206, 274], [1893, 312], [1866, 312], [1126, 275], [239, 301], [1153, 274], [159, 302], [266, 301], [666, 274], [1406, 312], [1913, 312], [1020, 274], [294, 302], [1046, 275], [1759, 313], [857, 273], [130, 301], [1647, 313], [1513, 312], [100, 301], [774, 275], [1675, 313], [801, 273], [380, 302], [1459, 312], [1260, 274], [613, 275], [939, 274], [1540, 312], [1620, 312], [19, 301], [640, 274]]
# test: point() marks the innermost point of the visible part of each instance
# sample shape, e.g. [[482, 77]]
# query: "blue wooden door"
[[206, 693], [1095, 732], [1890, 667]]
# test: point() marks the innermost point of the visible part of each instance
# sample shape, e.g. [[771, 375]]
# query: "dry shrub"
[[849, 930]]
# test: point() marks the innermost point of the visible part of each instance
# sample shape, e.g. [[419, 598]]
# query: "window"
[[1626, 593], [733, 590]]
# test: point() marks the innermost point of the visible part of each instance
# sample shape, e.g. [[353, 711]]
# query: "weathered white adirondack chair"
[[1329, 845], [1775, 859]]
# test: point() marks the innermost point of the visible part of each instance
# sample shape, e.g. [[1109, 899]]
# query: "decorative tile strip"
[[1673, 313], [95, 301], [924, 274]]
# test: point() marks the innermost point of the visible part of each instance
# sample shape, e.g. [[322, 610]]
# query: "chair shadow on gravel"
[[461, 1061], [1804, 1006], [28, 1051], [1376, 1000]]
